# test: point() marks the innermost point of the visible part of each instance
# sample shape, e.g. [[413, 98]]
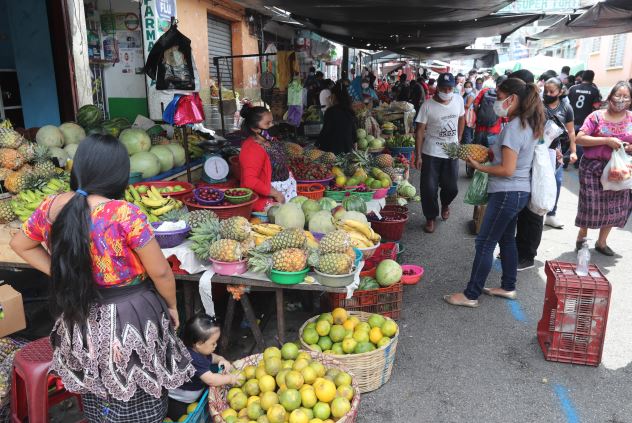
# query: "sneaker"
[[525, 264], [553, 222]]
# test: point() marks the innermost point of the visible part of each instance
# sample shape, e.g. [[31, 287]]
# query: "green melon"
[[89, 116], [135, 140], [146, 163], [165, 157], [177, 150]]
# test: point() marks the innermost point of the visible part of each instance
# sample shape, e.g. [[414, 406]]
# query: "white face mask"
[[365, 85], [445, 96], [468, 90], [499, 109]]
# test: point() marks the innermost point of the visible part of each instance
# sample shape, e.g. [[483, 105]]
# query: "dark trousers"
[[437, 173], [528, 234]]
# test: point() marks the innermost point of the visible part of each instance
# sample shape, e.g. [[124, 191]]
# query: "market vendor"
[[339, 125], [369, 96], [263, 160]]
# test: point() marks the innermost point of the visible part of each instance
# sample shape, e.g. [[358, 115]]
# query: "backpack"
[[486, 115]]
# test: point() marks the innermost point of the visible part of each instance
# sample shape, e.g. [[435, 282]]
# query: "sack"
[[543, 185], [486, 115], [617, 175], [476, 194]]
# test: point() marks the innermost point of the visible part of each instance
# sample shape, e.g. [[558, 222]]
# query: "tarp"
[[606, 18], [482, 58], [539, 64]]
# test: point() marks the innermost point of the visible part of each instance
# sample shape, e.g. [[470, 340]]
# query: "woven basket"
[[217, 395], [371, 369]]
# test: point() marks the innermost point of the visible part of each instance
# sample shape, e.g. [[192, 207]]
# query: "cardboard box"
[[12, 316]]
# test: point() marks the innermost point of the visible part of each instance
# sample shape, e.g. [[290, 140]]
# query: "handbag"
[[543, 184]]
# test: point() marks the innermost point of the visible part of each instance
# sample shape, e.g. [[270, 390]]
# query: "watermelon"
[[354, 203], [146, 163], [178, 154], [95, 130], [135, 140], [121, 123], [50, 136], [111, 128], [89, 116], [72, 133], [165, 157]]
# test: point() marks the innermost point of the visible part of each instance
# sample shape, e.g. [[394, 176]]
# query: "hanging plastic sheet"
[[170, 110], [189, 110]]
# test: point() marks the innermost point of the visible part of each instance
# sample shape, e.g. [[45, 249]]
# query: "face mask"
[[499, 109], [365, 86], [548, 99], [479, 86], [445, 96], [468, 90], [619, 106]]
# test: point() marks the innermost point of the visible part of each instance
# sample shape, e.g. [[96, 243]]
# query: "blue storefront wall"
[[32, 58]]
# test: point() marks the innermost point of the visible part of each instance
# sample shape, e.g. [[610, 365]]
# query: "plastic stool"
[[29, 384]]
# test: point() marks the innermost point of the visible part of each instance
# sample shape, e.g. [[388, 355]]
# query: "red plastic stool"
[[30, 384]]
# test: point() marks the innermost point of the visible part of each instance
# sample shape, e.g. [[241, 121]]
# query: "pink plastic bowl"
[[412, 279], [380, 193], [229, 269]]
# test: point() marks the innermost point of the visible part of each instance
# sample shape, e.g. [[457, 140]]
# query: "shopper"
[[578, 77], [417, 94], [403, 89], [263, 161], [479, 85], [488, 81], [509, 189], [369, 96], [200, 334], [339, 127], [602, 132], [432, 87], [440, 121], [113, 293], [470, 114], [325, 95], [584, 98], [530, 225], [488, 124]]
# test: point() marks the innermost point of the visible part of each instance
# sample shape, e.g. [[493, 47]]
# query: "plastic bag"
[[189, 110], [551, 132], [543, 185], [476, 194], [617, 175]]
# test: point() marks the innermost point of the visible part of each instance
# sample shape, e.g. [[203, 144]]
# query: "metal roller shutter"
[[220, 43]]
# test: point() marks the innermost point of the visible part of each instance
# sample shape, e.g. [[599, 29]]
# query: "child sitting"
[[200, 335]]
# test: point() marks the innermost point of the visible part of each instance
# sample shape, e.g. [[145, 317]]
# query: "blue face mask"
[[479, 86]]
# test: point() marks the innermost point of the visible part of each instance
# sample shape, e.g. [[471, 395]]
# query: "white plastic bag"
[[543, 185], [617, 175]]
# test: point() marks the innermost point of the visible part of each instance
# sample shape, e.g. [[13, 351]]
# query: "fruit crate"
[[386, 250], [201, 414], [385, 301], [575, 314]]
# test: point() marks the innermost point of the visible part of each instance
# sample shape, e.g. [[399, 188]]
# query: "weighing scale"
[[215, 169]]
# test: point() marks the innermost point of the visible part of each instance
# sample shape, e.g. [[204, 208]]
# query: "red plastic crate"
[[384, 301], [575, 314], [386, 250]]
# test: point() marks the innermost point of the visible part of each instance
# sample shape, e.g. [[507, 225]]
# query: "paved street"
[[485, 365]]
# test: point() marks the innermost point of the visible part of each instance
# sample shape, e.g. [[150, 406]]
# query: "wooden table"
[[247, 306]]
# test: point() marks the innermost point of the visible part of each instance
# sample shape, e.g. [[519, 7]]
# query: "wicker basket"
[[371, 369], [315, 194], [217, 395]]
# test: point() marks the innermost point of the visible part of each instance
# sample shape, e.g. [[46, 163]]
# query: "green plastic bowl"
[[336, 195], [135, 177], [366, 196], [288, 278], [238, 199]]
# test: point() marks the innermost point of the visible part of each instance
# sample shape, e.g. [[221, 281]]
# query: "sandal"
[[499, 292], [605, 250], [460, 302]]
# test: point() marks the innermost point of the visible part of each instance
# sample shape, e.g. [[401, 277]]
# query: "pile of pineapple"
[[335, 254], [227, 240], [286, 251], [24, 167], [359, 167]]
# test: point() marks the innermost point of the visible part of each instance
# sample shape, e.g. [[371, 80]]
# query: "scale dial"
[[216, 168]]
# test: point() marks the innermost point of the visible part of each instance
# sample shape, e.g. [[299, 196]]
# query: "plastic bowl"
[[358, 257], [334, 281], [412, 279], [239, 199], [230, 269], [288, 278], [261, 216], [170, 239], [135, 177], [318, 236], [366, 196], [368, 252], [336, 195], [380, 193], [196, 194], [392, 190]]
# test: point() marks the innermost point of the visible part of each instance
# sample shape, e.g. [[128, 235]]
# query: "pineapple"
[[478, 152], [390, 172], [43, 166], [198, 217], [327, 158], [11, 159], [226, 250], [288, 238], [175, 215], [313, 154], [335, 264], [237, 228], [384, 161], [285, 260], [10, 138], [6, 212], [335, 242], [203, 235], [247, 245], [27, 149], [293, 150], [4, 173]]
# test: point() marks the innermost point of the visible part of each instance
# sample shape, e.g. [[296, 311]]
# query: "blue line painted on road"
[[516, 311], [565, 402]]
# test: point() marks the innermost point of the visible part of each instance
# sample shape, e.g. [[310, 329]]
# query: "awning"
[[391, 68], [540, 64], [605, 18]]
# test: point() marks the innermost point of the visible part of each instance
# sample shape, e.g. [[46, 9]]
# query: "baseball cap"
[[445, 80]]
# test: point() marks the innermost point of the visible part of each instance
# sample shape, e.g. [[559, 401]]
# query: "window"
[[617, 49], [596, 45]]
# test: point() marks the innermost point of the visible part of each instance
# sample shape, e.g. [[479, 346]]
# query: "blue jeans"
[[559, 175], [468, 135], [499, 227]]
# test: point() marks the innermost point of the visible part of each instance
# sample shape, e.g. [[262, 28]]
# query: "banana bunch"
[[152, 203], [388, 126], [6, 124], [362, 236], [194, 149], [263, 231], [25, 202]]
